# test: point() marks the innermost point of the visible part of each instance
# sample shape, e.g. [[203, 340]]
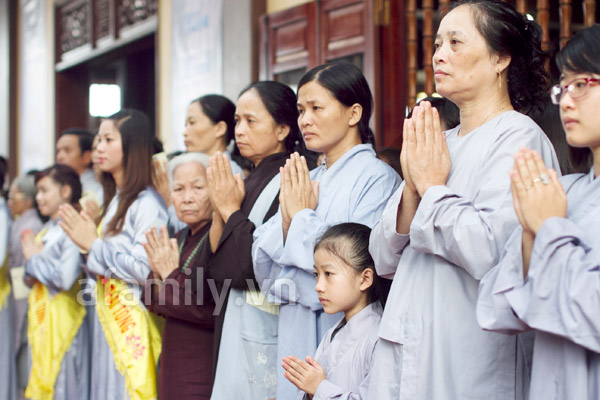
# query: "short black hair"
[[84, 137]]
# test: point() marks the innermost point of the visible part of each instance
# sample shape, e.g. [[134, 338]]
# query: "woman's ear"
[[355, 114], [65, 193], [221, 128], [502, 63], [283, 131], [366, 279]]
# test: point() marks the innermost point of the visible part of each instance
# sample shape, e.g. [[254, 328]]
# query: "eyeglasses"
[[576, 88]]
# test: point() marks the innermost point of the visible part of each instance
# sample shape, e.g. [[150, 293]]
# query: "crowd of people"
[[280, 258]]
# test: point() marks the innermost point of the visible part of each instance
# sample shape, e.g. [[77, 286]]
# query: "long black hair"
[[137, 145], [348, 85], [581, 54], [349, 242]]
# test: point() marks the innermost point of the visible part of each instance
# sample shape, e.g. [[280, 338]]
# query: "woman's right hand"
[[161, 180], [427, 158], [226, 191], [409, 186]]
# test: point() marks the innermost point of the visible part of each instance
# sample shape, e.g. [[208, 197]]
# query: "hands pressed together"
[[425, 159], [29, 245], [305, 375], [163, 253], [537, 192], [78, 226], [297, 191], [226, 191]]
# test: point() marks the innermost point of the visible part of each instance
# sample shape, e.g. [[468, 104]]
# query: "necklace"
[[193, 253]]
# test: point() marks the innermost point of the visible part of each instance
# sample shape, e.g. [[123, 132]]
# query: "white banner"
[[197, 60]]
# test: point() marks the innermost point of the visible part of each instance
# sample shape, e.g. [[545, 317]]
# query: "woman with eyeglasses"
[[548, 279]]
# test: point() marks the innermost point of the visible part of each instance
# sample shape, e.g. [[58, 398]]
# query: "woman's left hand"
[[537, 192], [300, 192], [78, 226], [305, 375], [163, 253], [29, 246], [427, 159]]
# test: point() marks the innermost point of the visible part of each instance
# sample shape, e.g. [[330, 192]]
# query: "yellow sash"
[[4, 284], [52, 326], [133, 334]]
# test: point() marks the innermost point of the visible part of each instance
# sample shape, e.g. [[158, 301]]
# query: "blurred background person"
[[74, 148]]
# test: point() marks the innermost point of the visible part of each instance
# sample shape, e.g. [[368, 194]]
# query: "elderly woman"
[[445, 227], [186, 365]]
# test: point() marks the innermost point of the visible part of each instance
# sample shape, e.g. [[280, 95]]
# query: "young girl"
[[548, 277], [126, 338], [346, 282], [58, 339], [335, 105]]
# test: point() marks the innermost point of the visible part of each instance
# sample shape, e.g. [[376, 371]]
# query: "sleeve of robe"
[[176, 301], [385, 244], [493, 309], [232, 261], [123, 255], [58, 265], [470, 232], [286, 272], [562, 290]]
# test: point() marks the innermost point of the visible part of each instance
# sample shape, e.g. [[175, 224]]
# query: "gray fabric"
[[456, 236], [89, 184], [8, 368], [248, 349], [354, 189], [559, 298], [348, 358]]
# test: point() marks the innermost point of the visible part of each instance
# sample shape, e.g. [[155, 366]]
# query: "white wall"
[[35, 113], [4, 78]]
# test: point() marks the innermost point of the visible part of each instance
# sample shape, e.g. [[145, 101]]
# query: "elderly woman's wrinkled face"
[[190, 195], [464, 69]]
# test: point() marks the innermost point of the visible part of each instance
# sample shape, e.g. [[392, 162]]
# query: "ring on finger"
[[544, 178], [528, 187], [535, 180]]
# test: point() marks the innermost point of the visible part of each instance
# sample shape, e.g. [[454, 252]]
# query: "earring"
[[499, 79]]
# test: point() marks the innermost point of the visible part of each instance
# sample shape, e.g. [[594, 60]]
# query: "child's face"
[[339, 286]]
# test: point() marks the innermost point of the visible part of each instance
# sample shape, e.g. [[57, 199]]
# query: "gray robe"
[[431, 346], [559, 298], [28, 220], [121, 256], [8, 377], [347, 359], [354, 189], [57, 268]]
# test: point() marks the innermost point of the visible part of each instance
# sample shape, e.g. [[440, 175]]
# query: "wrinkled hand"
[[305, 375], [226, 191], [163, 253], [534, 201], [160, 180], [30, 247], [427, 159], [78, 226]]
